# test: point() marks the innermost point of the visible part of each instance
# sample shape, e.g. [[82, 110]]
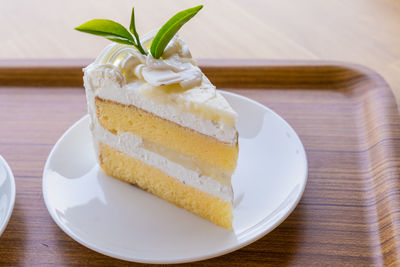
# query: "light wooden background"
[[360, 31]]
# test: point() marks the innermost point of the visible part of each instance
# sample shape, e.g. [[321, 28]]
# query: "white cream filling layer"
[[107, 82], [131, 145]]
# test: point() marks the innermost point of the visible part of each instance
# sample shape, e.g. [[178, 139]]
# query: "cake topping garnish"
[[170, 28], [169, 61], [115, 32]]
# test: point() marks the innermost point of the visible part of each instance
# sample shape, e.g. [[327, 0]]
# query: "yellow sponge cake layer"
[[117, 117], [131, 170]]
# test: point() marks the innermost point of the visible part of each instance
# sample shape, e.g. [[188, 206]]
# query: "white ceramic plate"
[[7, 194], [122, 221]]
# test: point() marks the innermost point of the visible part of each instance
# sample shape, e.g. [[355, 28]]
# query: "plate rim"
[[254, 238], [10, 177]]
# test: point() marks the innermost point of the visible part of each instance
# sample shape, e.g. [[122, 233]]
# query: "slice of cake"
[[160, 124]]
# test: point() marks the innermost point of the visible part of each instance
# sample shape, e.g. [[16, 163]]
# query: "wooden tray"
[[345, 115]]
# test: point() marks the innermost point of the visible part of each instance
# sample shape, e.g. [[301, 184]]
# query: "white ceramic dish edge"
[[10, 178]]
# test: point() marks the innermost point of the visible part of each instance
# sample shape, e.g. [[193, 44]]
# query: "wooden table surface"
[[359, 31]]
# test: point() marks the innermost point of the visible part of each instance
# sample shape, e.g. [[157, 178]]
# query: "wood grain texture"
[[345, 115]]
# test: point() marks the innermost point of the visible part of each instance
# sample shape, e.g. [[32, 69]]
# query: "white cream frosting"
[[175, 67], [131, 145], [123, 75]]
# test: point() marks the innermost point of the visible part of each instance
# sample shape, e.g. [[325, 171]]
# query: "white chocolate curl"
[[175, 67]]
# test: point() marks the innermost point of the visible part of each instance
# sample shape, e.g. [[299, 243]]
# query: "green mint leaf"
[[170, 28], [109, 29], [132, 28]]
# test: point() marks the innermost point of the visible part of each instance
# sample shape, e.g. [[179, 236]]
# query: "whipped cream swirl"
[[176, 66]]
